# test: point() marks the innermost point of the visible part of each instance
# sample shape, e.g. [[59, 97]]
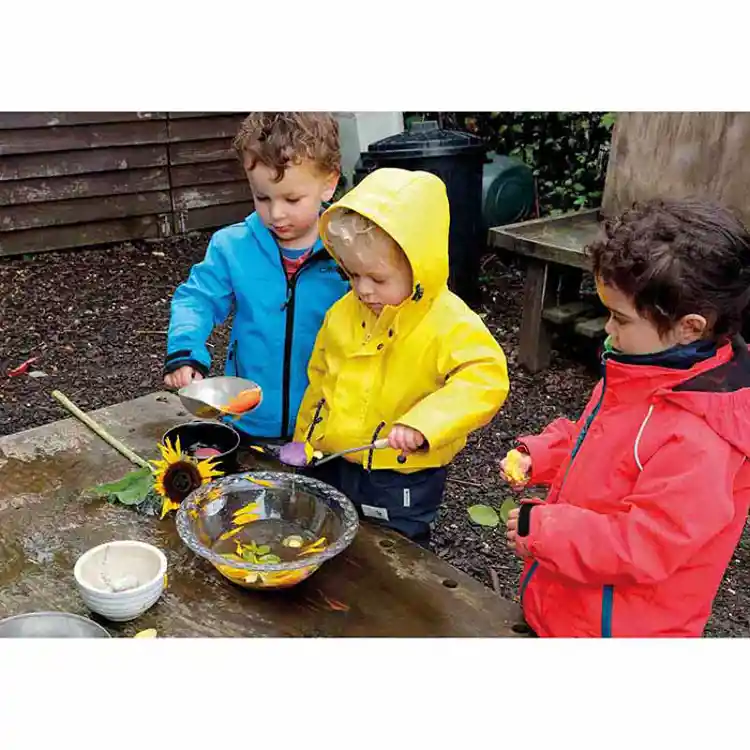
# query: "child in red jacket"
[[649, 490]]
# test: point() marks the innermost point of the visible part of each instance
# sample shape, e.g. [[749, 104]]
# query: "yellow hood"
[[412, 207]]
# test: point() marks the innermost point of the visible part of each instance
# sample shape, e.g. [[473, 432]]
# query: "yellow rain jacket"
[[430, 363]]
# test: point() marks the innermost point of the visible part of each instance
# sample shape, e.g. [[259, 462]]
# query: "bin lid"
[[425, 139]]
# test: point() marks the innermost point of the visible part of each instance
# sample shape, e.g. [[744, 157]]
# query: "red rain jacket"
[[649, 493]]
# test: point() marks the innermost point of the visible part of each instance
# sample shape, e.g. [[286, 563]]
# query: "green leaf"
[[130, 490], [264, 549], [608, 120], [484, 515], [269, 559], [506, 508]]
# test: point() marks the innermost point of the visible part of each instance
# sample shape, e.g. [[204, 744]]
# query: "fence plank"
[[79, 235], [19, 192], [35, 140], [192, 115], [199, 128], [83, 210], [12, 120], [212, 217], [28, 166], [198, 152], [202, 174], [200, 196]]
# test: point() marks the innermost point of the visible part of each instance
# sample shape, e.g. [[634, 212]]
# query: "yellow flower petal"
[[229, 534], [249, 508], [167, 507], [261, 482], [247, 518], [149, 633]]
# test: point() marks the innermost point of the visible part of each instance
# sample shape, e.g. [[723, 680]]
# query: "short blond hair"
[[346, 227]]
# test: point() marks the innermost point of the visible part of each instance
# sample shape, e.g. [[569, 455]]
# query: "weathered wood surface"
[[29, 166], [391, 586], [555, 248], [70, 175], [227, 170], [212, 216], [41, 190], [535, 336], [201, 196], [15, 120], [37, 140], [82, 210], [84, 235], [193, 129], [554, 239], [674, 154], [195, 152]]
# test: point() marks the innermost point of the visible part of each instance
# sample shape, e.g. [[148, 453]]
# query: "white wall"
[[359, 129]]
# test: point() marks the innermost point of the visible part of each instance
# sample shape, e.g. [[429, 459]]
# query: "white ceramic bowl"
[[121, 580]]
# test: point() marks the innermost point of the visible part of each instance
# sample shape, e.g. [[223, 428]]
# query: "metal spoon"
[[275, 452], [377, 445]]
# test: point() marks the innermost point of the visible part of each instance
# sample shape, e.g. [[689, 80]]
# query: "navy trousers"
[[406, 503]]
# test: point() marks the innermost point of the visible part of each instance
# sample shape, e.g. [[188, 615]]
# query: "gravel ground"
[[96, 319]]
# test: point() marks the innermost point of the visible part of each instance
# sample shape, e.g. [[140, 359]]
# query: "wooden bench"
[[556, 261]]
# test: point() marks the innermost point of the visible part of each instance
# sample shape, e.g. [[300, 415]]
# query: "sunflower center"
[[180, 479]]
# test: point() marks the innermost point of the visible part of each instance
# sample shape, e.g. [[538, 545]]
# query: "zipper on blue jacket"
[[288, 336], [234, 360]]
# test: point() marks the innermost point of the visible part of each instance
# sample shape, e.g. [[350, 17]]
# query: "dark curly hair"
[[280, 139], [677, 257]]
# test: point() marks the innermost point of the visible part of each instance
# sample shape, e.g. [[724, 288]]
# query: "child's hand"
[[182, 377], [405, 439], [511, 533], [515, 469]]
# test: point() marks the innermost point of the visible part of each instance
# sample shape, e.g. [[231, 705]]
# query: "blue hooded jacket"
[[276, 320]]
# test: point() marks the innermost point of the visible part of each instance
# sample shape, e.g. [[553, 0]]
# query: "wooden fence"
[[72, 179]]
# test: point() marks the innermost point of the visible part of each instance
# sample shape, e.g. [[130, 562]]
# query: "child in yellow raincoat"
[[399, 356]]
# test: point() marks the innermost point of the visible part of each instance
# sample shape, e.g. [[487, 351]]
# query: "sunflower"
[[177, 475]]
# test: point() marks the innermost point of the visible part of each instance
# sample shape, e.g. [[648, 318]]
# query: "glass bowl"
[[267, 529]]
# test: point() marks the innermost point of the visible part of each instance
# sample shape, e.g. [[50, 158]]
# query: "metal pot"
[[50, 625]]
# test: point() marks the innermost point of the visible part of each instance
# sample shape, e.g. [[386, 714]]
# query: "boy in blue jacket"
[[272, 268]]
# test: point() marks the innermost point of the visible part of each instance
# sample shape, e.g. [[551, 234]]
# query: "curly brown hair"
[[677, 257], [280, 139]]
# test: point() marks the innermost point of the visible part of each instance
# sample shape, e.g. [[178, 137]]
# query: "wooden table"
[[555, 251], [391, 586]]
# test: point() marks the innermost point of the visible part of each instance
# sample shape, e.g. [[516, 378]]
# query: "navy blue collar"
[[681, 357]]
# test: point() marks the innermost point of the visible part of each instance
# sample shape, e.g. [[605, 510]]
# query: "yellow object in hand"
[[513, 468]]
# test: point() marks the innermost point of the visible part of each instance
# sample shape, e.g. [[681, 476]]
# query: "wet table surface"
[[390, 586]]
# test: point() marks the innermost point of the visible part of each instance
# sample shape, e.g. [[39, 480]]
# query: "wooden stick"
[[100, 431], [463, 481], [495, 581]]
